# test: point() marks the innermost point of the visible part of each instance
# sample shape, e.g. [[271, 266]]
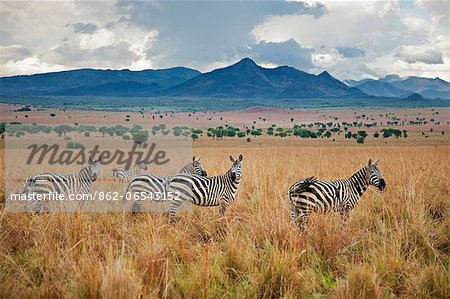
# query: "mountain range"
[[244, 79], [396, 86]]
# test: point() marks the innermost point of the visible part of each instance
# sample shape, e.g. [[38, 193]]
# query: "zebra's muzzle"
[[233, 176], [382, 185]]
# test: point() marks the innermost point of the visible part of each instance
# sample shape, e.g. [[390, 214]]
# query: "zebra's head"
[[236, 169], [375, 177], [197, 167], [93, 169], [142, 165]]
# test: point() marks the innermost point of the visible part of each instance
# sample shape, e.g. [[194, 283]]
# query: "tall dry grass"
[[395, 244]]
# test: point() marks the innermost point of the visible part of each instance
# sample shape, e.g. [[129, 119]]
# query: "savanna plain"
[[395, 244]]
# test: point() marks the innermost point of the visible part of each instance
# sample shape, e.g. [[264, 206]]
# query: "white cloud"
[[349, 39], [424, 54], [29, 65], [440, 11], [345, 23], [100, 38], [418, 26], [327, 60], [13, 52]]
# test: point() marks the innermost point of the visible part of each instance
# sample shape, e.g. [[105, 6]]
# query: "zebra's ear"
[[197, 159], [376, 162], [232, 159], [193, 158], [90, 160], [240, 157], [370, 162]]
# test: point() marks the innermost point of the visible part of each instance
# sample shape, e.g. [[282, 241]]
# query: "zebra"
[[126, 175], [206, 191], [312, 195], [73, 183], [153, 184]]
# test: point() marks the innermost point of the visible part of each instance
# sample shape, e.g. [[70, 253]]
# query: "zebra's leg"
[[223, 208], [137, 206], [173, 208], [345, 214], [40, 206], [294, 212], [302, 222], [300, 217]]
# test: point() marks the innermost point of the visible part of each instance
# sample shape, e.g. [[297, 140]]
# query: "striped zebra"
[[73, 183], [206, 191], [312, 195], [126, 175], [152, 184]]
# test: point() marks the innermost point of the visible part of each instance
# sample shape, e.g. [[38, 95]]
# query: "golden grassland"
[[395, 244]]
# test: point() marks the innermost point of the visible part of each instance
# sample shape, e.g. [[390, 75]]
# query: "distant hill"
[[415, 96], [95, 82], [382, 89], [395, 86], [245, 79]]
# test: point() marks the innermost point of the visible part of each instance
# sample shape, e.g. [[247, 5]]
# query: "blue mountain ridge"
[[396, 86], [244, 79]]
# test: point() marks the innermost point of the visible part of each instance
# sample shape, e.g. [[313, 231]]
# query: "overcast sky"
[[351, 40]]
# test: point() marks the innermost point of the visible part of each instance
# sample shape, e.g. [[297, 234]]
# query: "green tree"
[[62, 129], [74, 145], [140, 137]]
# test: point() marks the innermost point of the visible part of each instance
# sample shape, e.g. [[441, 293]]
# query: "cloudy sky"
[[351, 40]]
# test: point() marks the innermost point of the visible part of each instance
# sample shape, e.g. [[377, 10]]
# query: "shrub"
[[74, 145]]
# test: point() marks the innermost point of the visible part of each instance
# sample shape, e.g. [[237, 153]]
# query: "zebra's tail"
[[301, 185]]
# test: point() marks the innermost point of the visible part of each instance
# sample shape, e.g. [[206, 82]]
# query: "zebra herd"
[[194, 186]]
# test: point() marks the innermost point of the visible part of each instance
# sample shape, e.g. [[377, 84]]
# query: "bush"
[[241, 134], [140, 137], [74, 145], [248, 139]]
